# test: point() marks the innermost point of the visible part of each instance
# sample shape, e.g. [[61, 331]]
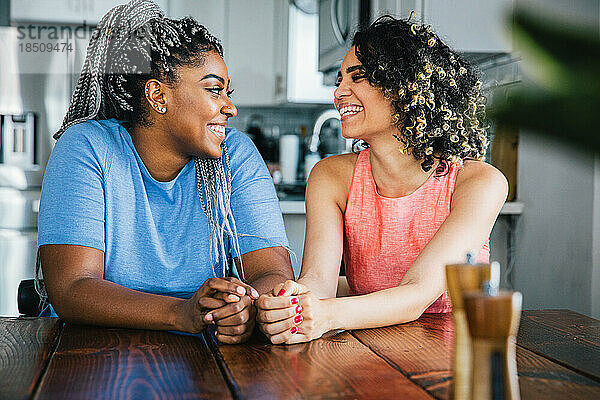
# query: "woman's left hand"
[[292, 314]]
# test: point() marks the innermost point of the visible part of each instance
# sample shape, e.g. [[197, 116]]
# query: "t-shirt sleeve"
[[254, 202], [72, 209]]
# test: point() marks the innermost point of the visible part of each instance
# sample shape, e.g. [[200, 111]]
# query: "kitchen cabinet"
[[470, 26], [66, 11], [270, 49], [273, 62], [255, 46], [501, 238], [268, 45], [254, 38], [210, 13]]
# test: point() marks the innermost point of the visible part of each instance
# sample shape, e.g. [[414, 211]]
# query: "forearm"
[[392, 306], [99, 302], [264, 283], [265, 268], [319, 286]]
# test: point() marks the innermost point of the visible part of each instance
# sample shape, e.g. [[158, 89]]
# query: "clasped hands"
[[228, 303], [291, 313]]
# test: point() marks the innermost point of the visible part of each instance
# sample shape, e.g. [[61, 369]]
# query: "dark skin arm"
[[74, 280]]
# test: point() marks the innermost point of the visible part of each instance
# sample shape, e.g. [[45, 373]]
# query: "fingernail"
[[208, 317], [294, 330], [240, 290], [294, 300], [255, 293], [281, 292], [298, 309], [298, 319]]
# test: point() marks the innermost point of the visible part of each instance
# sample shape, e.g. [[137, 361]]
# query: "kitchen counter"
[[294, 218], [296, 206]]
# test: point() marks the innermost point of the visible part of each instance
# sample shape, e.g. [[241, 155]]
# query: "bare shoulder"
[[332, 176], [478, 176], [479, 172], [339, 166]]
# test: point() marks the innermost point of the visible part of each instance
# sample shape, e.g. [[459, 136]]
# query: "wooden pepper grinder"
[[493, 320], [461, 278]]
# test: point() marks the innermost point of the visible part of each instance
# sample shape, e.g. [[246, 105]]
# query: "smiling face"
[[199, 108], [364, 111]]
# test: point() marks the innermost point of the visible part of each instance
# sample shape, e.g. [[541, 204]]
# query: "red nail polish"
[[298, 319], [294, 330], [298, 309], [281, 292], [294, 300]]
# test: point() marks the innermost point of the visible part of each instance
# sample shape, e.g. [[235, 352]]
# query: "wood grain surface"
[[422, 350], [25, 347], [102, 363], [337, 367], [569, 338], [557, 358]]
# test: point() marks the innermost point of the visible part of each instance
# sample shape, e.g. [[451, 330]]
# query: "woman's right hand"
[[215, 293], [292, 314]]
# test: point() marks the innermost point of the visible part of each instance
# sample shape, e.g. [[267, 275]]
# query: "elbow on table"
[[419, 302], [413, 313], [63, 300]]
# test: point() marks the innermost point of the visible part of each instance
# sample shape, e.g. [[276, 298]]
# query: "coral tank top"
[[384, 236]]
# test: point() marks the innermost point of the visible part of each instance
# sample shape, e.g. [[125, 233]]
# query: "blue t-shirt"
[[98, 193]]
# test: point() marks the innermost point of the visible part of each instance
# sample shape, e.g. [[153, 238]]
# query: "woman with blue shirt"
[[147, 193]]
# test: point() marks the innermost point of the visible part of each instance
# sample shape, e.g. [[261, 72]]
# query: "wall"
[[555, 241], [558, 253], [595, 281]]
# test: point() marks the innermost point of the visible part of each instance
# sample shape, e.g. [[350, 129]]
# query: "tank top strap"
[[362, 168], [361, 179], [452, 173]]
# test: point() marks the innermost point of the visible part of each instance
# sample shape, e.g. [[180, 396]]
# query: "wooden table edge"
[[48, 361], [555, 360]]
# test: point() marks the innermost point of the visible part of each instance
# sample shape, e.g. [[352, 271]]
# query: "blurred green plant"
[[564, 63]]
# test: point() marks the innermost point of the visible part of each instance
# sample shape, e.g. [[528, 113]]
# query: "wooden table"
[[558, 356]]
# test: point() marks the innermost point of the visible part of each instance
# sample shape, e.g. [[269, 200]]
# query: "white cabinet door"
[[465, 25], [64, 11], [396, 8], [471, 25], [253, 44], [95, 9], [210, 13]]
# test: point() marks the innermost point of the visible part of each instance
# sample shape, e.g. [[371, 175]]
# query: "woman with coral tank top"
[[417, 197]]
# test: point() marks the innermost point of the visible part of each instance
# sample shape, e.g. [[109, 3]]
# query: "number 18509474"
[[45, 47]]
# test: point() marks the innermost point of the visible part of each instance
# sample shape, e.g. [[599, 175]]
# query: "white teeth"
[[350, 110], [218, 130]]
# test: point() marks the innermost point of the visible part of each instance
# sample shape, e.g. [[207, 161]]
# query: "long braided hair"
[[133, 43]]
